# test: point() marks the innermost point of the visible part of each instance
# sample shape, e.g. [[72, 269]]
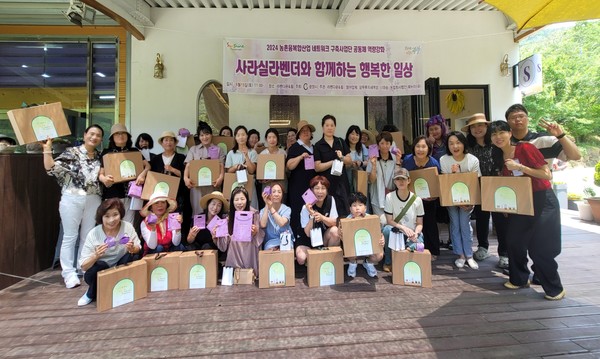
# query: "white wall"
[[463, 48]]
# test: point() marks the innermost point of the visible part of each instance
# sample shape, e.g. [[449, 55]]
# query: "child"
[[241, 254], [358, 209], [403, 212], [158, 237], [457, 160]]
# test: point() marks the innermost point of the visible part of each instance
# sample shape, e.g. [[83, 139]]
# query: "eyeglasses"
[[518, 116]]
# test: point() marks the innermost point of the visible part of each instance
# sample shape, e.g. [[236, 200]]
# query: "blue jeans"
[[387, 252], [460, 231]]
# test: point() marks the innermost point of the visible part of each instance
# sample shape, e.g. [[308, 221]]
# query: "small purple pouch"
[[373, 151], [124, 239], [134, 190], [200, 221], [213, 152], [111, 242], [222, 227], [267, 190], [309, 197], [184, 132], [420, 247], [395, 151], [173, 222], [151, 219], [211, 225], [242, 227], [309, 163]]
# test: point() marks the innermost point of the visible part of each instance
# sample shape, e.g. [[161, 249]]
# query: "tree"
[[571, 72]]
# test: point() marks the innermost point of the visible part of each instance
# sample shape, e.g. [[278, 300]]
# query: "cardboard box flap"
[[459, 189], [270, 167], [37, 123], [361, 236], [507, 195], [424, 182], [198, 269], [204, 172], [163, 271], [276, 269], [121, 285]]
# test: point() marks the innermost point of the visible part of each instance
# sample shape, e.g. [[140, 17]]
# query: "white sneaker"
[[472, 263], [459, 263], [352, 269], [84, 300], [72, 281], [503, 262], [371, 271]]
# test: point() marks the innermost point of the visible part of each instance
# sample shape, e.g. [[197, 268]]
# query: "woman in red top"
[[538, 234], [160, 233]]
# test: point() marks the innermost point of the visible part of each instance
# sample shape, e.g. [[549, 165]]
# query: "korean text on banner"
[[323, 67]]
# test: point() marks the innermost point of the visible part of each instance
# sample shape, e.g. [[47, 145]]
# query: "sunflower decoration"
[[455, 101]]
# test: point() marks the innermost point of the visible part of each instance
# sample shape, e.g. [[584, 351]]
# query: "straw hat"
[[474, 119], [118, 127], [218, 195], [303, 123], [166, 134], [371, 136], [155, 197]]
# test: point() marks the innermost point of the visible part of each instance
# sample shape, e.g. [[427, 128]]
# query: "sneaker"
[[471, 262], [72, 281], [459, 263], [387, 268], [84, 300], [480, 254], [559, 296], [503, 262], [509, 285], [371, 271], [352, 269]]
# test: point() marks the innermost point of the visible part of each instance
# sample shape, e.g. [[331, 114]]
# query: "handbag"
[[242, 226], [316, 236], [396, 240], [241, 176], [337, 167], [243, 276], [287, 241]]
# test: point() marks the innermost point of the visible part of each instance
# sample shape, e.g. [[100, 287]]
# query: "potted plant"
[[573, 198], [592, 200], [585, 210]]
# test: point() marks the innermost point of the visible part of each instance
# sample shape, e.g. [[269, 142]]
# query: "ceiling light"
[[100, 74], [45, 75]]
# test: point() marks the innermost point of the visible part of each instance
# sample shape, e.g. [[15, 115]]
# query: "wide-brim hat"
[[157, 198], [303, 123], [218, 195], [166, 134], [118, 127], [9, 139], [401, 173], [474, 119], [371, 136]]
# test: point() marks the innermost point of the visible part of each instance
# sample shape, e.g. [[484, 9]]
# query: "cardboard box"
[[361, 236], [230, 182], [507, 195], [411, 268], [424, 183], [159, 182], [163, 273], [276, 269], [204, 172], [225, 142], [198, 269], [121, 285], [37, 123], [325, 267], [398, 140], [123, 166], [459, 189], [270, 167], [361, 181]]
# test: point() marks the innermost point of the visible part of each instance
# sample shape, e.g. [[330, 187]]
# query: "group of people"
[[98, 211]]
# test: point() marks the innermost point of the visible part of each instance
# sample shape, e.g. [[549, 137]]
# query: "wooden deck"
[[467, 314]]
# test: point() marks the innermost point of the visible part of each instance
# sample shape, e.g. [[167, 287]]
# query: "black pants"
[[539, 235], [91, 275], [431, 235], [482, 226]]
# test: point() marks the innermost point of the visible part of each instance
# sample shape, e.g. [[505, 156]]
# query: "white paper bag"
[[242, 176], [181, 141], [136, 204], [337, 167], [227, 278], [287, 242], [396, 241], [316, 237]]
